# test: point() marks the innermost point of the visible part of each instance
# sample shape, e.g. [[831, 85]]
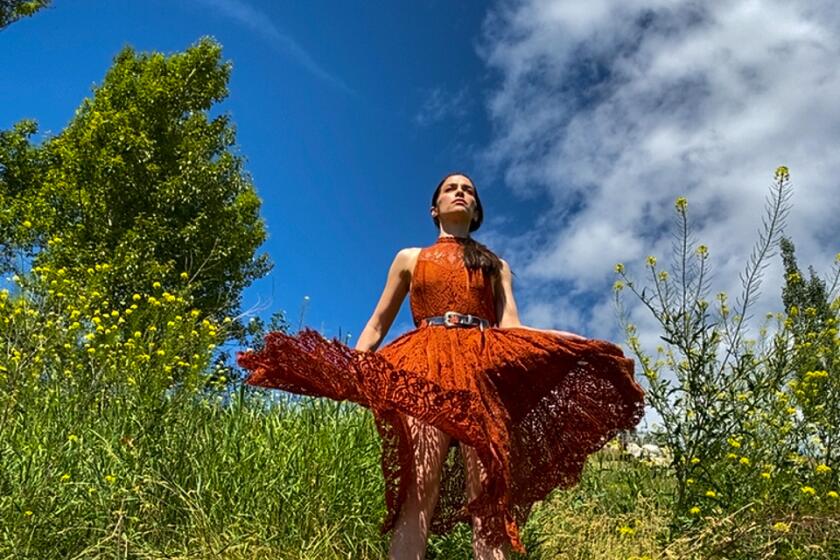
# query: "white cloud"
[[441, 104], [626, 105], [257, 21]]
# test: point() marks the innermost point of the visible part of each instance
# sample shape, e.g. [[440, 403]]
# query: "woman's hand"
[[570, 335], [564, 334]]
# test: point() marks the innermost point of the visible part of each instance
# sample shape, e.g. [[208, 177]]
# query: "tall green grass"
[[245, 476], [195, 478]]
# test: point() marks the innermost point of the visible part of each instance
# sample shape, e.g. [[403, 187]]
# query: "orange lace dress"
[[533, 404]]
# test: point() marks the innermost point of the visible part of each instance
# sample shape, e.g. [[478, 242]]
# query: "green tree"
[[812, 312], [802, 294], [20, 172], [13, 10], [143, 179]]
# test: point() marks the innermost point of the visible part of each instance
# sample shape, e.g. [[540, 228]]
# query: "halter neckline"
[[451, 239]]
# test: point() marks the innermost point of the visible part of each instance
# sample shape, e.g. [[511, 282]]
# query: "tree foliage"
[[13, 10], [142, 178], [803, 294], [812, 312], [20, 172]]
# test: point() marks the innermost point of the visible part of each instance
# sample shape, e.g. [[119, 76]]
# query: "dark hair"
[[476, 255]]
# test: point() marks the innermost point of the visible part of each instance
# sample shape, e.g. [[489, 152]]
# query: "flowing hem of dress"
[[535, 410]]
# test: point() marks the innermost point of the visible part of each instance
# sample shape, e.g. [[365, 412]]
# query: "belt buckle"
[[450, 314]]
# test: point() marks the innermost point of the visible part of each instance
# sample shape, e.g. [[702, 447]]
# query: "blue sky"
[[580, 122]]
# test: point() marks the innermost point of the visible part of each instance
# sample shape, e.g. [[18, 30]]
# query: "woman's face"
[[457, 196]]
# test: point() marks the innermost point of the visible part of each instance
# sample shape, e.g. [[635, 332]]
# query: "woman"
[[525, 406]]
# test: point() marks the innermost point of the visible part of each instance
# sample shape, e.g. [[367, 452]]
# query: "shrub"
[[752, 424]]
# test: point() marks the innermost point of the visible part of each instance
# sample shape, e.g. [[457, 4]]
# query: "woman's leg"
[[412, 528], [475, 475]]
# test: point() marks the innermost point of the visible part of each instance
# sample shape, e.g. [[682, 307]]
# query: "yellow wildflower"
[[808, 490], [625, 530], [694, 511], [681, 204], [781, 527], [832, 494], [711, 494], [823, 469]]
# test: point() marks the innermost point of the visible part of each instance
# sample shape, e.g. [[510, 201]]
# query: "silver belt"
[[455, 319]]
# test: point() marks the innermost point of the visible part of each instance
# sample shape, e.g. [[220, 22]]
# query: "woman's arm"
[[396, 288], [506, 310]]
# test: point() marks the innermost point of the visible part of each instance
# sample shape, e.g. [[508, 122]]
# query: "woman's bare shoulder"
[[409, 254], [411, 251], [408, 258]]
